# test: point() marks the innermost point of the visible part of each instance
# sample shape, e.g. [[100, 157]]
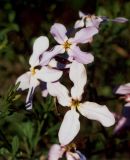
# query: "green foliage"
[[29, 134]]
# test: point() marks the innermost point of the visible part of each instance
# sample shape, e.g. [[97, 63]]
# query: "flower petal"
[[33, 84], [97, 112], [40, 45], [47, 74], [47, 56], [78, 76], [79, 23], [80, 56], [82, 157], [69, 127], [59, 33], [60, 91], [72, 156], [81, 14], [123, 89], [55, 152], [24, 80], [84, 35]]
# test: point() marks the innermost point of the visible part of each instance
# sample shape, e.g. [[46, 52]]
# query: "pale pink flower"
[[124, 90], [70, 45], [71, 124], [88, 21], [31, 79]]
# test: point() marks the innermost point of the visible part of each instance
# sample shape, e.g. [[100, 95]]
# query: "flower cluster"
[[45, 70]]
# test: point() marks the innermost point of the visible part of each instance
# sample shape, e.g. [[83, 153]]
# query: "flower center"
[[67, 45], [33, 71], [74, 103]]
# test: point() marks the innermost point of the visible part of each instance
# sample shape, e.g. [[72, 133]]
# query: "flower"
[[124, 90], [69, 45], [57, 151], [88, 21], [31, 79], [71, 125]]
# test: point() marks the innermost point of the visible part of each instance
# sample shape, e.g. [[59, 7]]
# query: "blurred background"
[[29, 135]]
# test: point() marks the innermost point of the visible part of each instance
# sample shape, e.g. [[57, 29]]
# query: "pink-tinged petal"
[[120, 124], [97, 112], [59, 33], [82, 157], [94, 22], [60, 91], [47, 74], [123, 89], [79, 23], [72, 156], [81, 14], [80, 56], [55, 152], [47, 56], [84, 35], [24, 80], [69, 127], [33, 84], [40, 45], [78, 76], [127, 105]]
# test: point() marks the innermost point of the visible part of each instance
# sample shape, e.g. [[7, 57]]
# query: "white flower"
[[88, 21], [71, 125], [31, 79], [70, 45]]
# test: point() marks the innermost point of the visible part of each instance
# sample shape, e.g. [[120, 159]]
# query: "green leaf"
[[15, 145]]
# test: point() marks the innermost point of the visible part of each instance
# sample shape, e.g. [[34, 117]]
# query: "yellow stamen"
[[74, 103], [33, 71], [67, 45]]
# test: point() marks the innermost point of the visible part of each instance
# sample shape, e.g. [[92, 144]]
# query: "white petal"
[[81, 14], [78, 76], [47, 56], [55, 152], [72, 156], [69, 127], [97, 112], [60, 91], [59, 32], [127, 105], [79, 23], [123, 89], [40, 45], [33, 84], [24, 80], [84, 35], [82, 57], [47, 74]]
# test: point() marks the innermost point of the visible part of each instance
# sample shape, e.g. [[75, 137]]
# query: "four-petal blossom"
[[70, 45], [71, 125], [31, 79]]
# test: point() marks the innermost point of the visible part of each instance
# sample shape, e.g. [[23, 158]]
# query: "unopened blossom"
[[70, 45], [125, 91], [57, 151], [31, 79], [88, 21], [71, 124]]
